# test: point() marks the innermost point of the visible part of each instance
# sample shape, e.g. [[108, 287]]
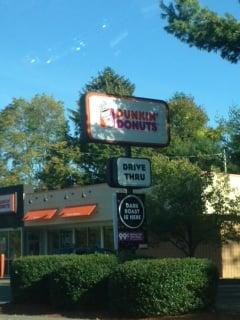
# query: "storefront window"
[[81, 238], [33, 242], [88, 237], [53, 242], [10, 246], [14, 244], [66, 239], [94, 237], [59, 241], [108, 237], [4, 242]]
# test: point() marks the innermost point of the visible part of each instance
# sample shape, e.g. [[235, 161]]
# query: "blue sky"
[[56, 46]]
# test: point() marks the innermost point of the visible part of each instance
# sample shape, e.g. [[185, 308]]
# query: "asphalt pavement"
[[9, 312]]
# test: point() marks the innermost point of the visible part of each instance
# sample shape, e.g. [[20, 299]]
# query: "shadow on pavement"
[[46, 310]]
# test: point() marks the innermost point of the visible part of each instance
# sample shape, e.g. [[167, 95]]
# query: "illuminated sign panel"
[[133, 172], [129, 172], [7, 203], [136, 121]]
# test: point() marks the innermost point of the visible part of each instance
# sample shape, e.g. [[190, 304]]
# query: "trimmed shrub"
[[162, 287], [83, 283], [30, 277]]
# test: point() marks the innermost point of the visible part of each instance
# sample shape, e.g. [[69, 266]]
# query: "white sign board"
[[133, 172], [135, 121]]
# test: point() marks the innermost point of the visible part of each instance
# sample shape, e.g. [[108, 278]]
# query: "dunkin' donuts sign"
[[136, 121]]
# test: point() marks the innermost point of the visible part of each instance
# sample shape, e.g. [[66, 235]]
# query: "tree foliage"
[[27, 130], [232, 139], [191, 136], [203, 28], [60, 170], [94, 156], [180, 202]]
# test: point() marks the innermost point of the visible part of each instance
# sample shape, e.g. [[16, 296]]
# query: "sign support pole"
[[115, 221], [128, 153]]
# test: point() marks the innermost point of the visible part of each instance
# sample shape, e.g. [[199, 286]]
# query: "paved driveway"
[[23, 317]]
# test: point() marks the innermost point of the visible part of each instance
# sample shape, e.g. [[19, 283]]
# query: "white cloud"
[[118, 39], [82, 44]]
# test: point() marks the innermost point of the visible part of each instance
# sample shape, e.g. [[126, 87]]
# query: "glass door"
[[10, 246]]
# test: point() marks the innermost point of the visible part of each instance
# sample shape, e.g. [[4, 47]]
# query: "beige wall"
[[227, 258], [167, 250], [99, 194]]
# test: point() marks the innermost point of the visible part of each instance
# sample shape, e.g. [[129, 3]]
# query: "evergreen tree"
[[93, 156], [203, 28]]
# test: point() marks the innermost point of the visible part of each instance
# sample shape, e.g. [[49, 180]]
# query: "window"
[[53, 242], [81, 238], [94, 237], [108, 237], [66, 239], [88, 237], [59, 241], [33, 243]]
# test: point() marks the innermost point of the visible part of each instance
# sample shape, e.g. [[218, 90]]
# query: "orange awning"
[[43, 214], [80, 211]]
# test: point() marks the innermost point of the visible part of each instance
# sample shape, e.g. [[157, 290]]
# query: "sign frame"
[[88, 135]]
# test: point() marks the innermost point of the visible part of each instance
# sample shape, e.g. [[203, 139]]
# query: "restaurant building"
[[52, 222]]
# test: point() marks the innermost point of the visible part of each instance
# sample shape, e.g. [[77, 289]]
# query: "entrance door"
[[10, 246]]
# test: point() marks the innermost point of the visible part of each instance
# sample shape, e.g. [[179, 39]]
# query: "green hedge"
[[30, 277], [162, 287], [143, 287], [83, 283]]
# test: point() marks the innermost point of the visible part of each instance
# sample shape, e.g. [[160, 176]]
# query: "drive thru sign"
[[129, 172]]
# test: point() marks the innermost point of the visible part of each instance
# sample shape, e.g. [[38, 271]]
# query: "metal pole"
[[128, 153], [225, 160], [115, 221]]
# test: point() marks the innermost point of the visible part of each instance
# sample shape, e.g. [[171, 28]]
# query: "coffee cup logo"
[[106, 117]]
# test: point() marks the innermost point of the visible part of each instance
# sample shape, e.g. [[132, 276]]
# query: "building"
[[49, 222]]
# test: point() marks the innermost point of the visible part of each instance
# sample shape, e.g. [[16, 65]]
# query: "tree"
[[180, 203], [60, 170], [94, 156], [27, 130], [232, 139], [203, 28], [191, 137]]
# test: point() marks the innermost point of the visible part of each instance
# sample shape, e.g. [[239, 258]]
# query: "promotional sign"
[[123, 120], [129, 172], [7, 203], [131, 220]]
